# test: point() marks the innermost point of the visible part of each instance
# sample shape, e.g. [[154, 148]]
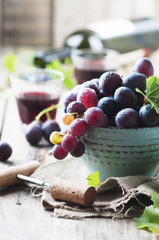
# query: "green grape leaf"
[[155, 199], [93, 179], [10, 62], [149, 220], [152, 92], [57, 65]]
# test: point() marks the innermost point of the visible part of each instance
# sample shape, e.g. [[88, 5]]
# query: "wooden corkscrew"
[[60, 189]]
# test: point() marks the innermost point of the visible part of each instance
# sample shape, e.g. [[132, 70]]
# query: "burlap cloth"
[[117, 197]]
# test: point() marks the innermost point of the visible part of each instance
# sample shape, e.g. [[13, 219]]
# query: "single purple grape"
[[78, 127], [108, 105], [5, 151], [88, 97], [125, 98], [68, 142], [94, 117], [135, 80], [79, 150], [58, 152], [144, 66], [76, 107], [70, 97], [34, 133], [109, 82], [148, 115], [127, 118], [48, 127]]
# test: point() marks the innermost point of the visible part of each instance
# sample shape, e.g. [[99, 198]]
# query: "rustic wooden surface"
[[23, 22], [23, 218]]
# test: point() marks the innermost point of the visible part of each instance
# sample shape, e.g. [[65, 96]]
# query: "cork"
[[77, 193]]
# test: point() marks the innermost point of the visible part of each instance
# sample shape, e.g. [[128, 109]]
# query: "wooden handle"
[[8, 177]]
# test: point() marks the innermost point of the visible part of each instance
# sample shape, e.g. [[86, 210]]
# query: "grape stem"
[[46, 111], [146, 98], [75, 114], [48, 116]]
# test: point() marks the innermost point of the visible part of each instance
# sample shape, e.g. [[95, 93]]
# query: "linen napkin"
[[117, 197]]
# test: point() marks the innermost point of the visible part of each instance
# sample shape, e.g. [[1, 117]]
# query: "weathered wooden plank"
[[22, 217]]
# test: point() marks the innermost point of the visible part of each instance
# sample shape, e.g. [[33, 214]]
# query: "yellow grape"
[[68, 118], [56, 137]]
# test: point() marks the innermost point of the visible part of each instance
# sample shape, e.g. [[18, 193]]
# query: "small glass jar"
[[36, 90], [90, 64]]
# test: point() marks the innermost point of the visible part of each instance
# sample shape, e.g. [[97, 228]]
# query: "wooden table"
[[23, 218]]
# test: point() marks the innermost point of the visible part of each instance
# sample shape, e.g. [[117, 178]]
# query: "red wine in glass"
[[31, 103], [89, 64], [83, 75]]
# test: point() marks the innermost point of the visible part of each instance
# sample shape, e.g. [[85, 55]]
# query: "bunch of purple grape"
[[110, 101]]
